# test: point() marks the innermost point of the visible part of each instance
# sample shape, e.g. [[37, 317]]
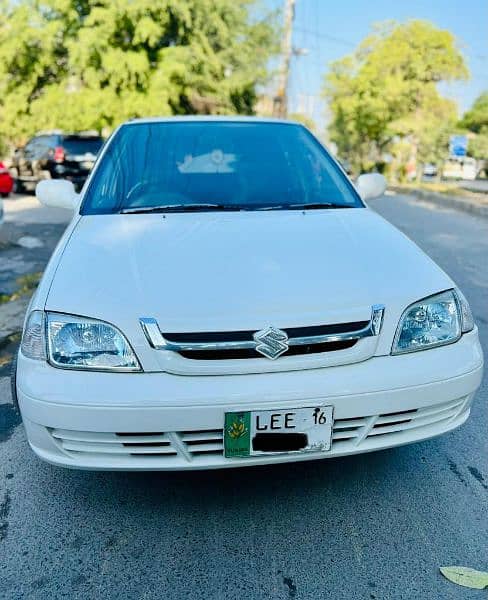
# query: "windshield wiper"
[[179, 208], [204, 206], [302, 206], [318, 205]]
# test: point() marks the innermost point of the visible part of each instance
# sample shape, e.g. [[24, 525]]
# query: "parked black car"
[[55, 156]]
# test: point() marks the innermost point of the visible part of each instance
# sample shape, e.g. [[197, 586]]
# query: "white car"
[[223, 297]]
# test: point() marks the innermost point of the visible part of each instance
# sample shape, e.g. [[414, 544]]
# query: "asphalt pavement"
[[478, 185], [26, 210], [27, 238], [374, 526]]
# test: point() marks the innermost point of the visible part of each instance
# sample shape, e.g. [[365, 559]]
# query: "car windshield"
[[76, 145], [216, 165]]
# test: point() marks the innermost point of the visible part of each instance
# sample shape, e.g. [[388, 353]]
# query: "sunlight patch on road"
[[28, 241]]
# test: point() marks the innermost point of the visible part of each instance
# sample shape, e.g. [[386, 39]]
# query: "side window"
[[29, 148], [42, 146], [52, 141]]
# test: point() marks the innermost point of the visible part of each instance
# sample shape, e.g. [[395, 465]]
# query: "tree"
[[476, 121], [386, 92], [90, 64], [426, 132], [478, 145], [476, 118], [304, 120]]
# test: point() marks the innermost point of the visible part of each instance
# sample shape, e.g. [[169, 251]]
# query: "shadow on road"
[[244, 486]]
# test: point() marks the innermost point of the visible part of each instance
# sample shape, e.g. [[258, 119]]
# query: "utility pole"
[[280, 104]]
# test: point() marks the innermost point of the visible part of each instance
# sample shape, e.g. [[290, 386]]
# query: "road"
[[376, 526], [26, 218], [26, 210], [478, 185]]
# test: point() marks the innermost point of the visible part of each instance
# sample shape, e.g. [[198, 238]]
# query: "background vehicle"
[[430, 170], [55, 156], [6, 181]]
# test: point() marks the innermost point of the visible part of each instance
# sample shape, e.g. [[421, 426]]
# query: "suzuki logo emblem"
[[271, 342]]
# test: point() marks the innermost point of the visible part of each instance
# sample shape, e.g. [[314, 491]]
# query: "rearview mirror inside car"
[[58, 193], [371, 185]]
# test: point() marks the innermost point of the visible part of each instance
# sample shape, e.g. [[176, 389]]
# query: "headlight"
[[434, 321], [79, 343]]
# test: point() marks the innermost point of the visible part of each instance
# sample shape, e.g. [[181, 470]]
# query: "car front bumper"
[[158, 421]]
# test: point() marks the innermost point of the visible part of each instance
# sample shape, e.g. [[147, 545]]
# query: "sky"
[[330, 29]]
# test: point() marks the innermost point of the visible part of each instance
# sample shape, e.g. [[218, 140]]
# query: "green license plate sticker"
[[237, 434]]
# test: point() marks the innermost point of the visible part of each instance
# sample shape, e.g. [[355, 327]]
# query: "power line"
[[326, 36]]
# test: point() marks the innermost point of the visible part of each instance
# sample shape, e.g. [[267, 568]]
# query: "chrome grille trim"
[[158, 342]]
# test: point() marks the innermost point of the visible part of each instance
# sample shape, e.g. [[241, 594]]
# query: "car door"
[[25, 156], [40, 156]]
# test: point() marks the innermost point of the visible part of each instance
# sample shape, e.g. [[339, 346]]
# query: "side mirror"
[[371, 185], [58, 193]]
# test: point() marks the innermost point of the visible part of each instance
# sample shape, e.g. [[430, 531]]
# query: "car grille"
[[229, 354], [230, 337], [265, 350], [166, 447], [240, 336]]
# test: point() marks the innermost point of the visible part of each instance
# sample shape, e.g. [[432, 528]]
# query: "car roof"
[[64, 134], [211, 119]]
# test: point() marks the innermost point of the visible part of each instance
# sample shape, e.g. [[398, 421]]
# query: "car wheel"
[[5, 194], [13, 383]]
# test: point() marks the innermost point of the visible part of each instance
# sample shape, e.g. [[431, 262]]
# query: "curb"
[[445, 200]]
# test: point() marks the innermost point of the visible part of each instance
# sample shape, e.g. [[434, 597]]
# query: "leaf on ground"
[[466, 577]]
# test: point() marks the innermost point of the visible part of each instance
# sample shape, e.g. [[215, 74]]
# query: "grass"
[[27, 285], [8, 348], [443, 187]]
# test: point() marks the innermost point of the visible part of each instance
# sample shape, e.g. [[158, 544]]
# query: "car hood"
[[241, 270]]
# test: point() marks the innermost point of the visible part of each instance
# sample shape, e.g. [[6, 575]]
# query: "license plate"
[[293, 430], [87, 164]]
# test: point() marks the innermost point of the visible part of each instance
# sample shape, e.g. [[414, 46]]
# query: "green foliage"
[[478, 145], [386, 92], [428, 129], [27, 284], [90, 64], [304, 120], [476, 118], [475, 121]]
